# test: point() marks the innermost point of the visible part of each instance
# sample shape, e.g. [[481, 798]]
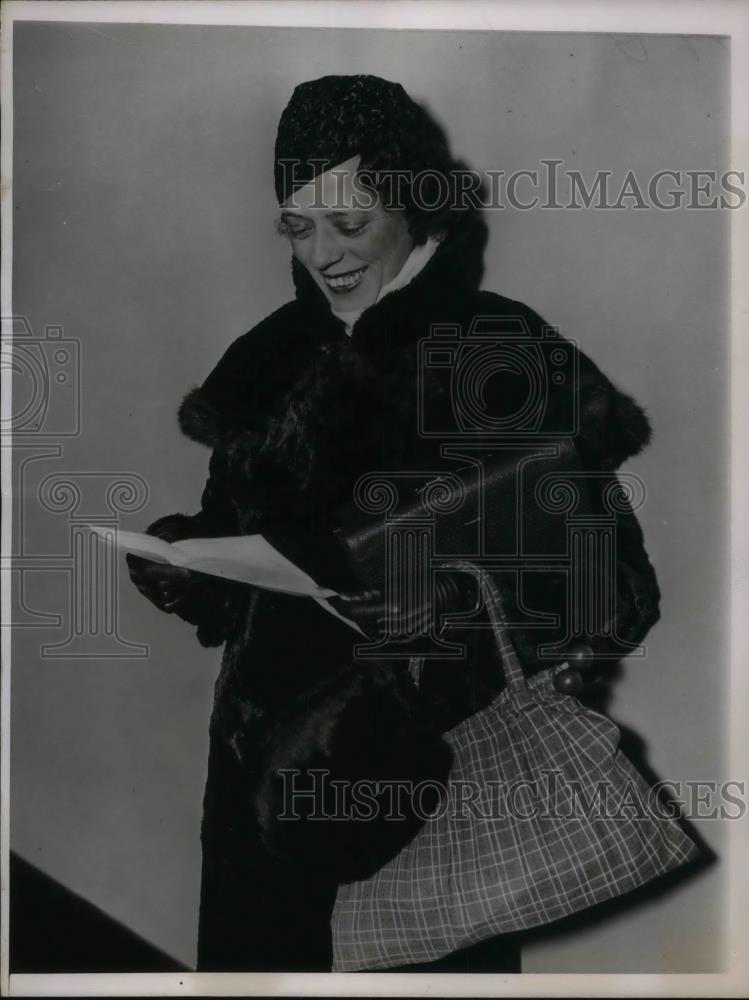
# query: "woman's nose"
[[325, 249]]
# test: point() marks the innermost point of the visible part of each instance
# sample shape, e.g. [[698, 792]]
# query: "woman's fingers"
[[172, 602], [368, 605], [156, 573], [363, 607], [370, 610], [161, 583]]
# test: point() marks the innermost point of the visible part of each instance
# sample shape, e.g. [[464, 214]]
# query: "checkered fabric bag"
[[543, 816]]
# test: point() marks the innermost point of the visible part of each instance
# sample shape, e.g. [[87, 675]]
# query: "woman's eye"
[[352, 230], [297, 232]]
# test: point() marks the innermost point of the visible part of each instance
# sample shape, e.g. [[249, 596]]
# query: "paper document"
[[245, 558]]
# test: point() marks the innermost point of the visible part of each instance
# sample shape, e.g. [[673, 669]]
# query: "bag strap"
[[513, 670], [511, 666]]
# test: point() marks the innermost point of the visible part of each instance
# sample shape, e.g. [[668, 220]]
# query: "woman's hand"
[[213, 605], [167, 587], [458, 592], [369, 609], [163, 585]]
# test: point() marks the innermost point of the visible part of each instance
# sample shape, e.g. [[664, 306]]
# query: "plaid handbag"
[[549, 818]]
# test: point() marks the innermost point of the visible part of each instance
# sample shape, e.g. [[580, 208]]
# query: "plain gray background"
[[143, 226]]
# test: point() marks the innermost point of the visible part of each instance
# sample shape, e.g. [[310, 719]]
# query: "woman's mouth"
[[345, 281]]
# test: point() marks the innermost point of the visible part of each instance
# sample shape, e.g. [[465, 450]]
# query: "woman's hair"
[[404, 152], [438, 189]]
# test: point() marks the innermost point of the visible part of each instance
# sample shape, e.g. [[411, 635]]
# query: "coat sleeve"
[[595, 428], [608, 426], [212, 604], [206, 415]]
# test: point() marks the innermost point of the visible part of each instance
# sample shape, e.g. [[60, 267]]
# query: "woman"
[[316, 396]]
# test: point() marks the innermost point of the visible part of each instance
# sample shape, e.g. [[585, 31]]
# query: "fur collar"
[[297, 382], [308, 327]]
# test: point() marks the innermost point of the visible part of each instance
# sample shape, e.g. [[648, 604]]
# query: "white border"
[[6, 308], [690, 17]]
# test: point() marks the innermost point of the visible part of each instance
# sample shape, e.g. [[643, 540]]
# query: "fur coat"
[[294, 413]]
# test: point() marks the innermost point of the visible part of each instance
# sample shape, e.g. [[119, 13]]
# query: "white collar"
[[415, 262]]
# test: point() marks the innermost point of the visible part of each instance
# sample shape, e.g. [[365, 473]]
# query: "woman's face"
[[348, 242]]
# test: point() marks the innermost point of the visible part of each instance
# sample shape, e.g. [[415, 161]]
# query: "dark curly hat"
[[330, 120], [334, 118]]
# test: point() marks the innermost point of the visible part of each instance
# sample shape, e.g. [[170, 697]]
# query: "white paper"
[[245, 558]]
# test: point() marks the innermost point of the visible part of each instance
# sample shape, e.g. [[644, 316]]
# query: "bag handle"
[[511, 666]]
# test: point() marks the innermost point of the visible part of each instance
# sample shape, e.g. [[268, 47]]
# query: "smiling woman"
[[352, 252], [329, 389]]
